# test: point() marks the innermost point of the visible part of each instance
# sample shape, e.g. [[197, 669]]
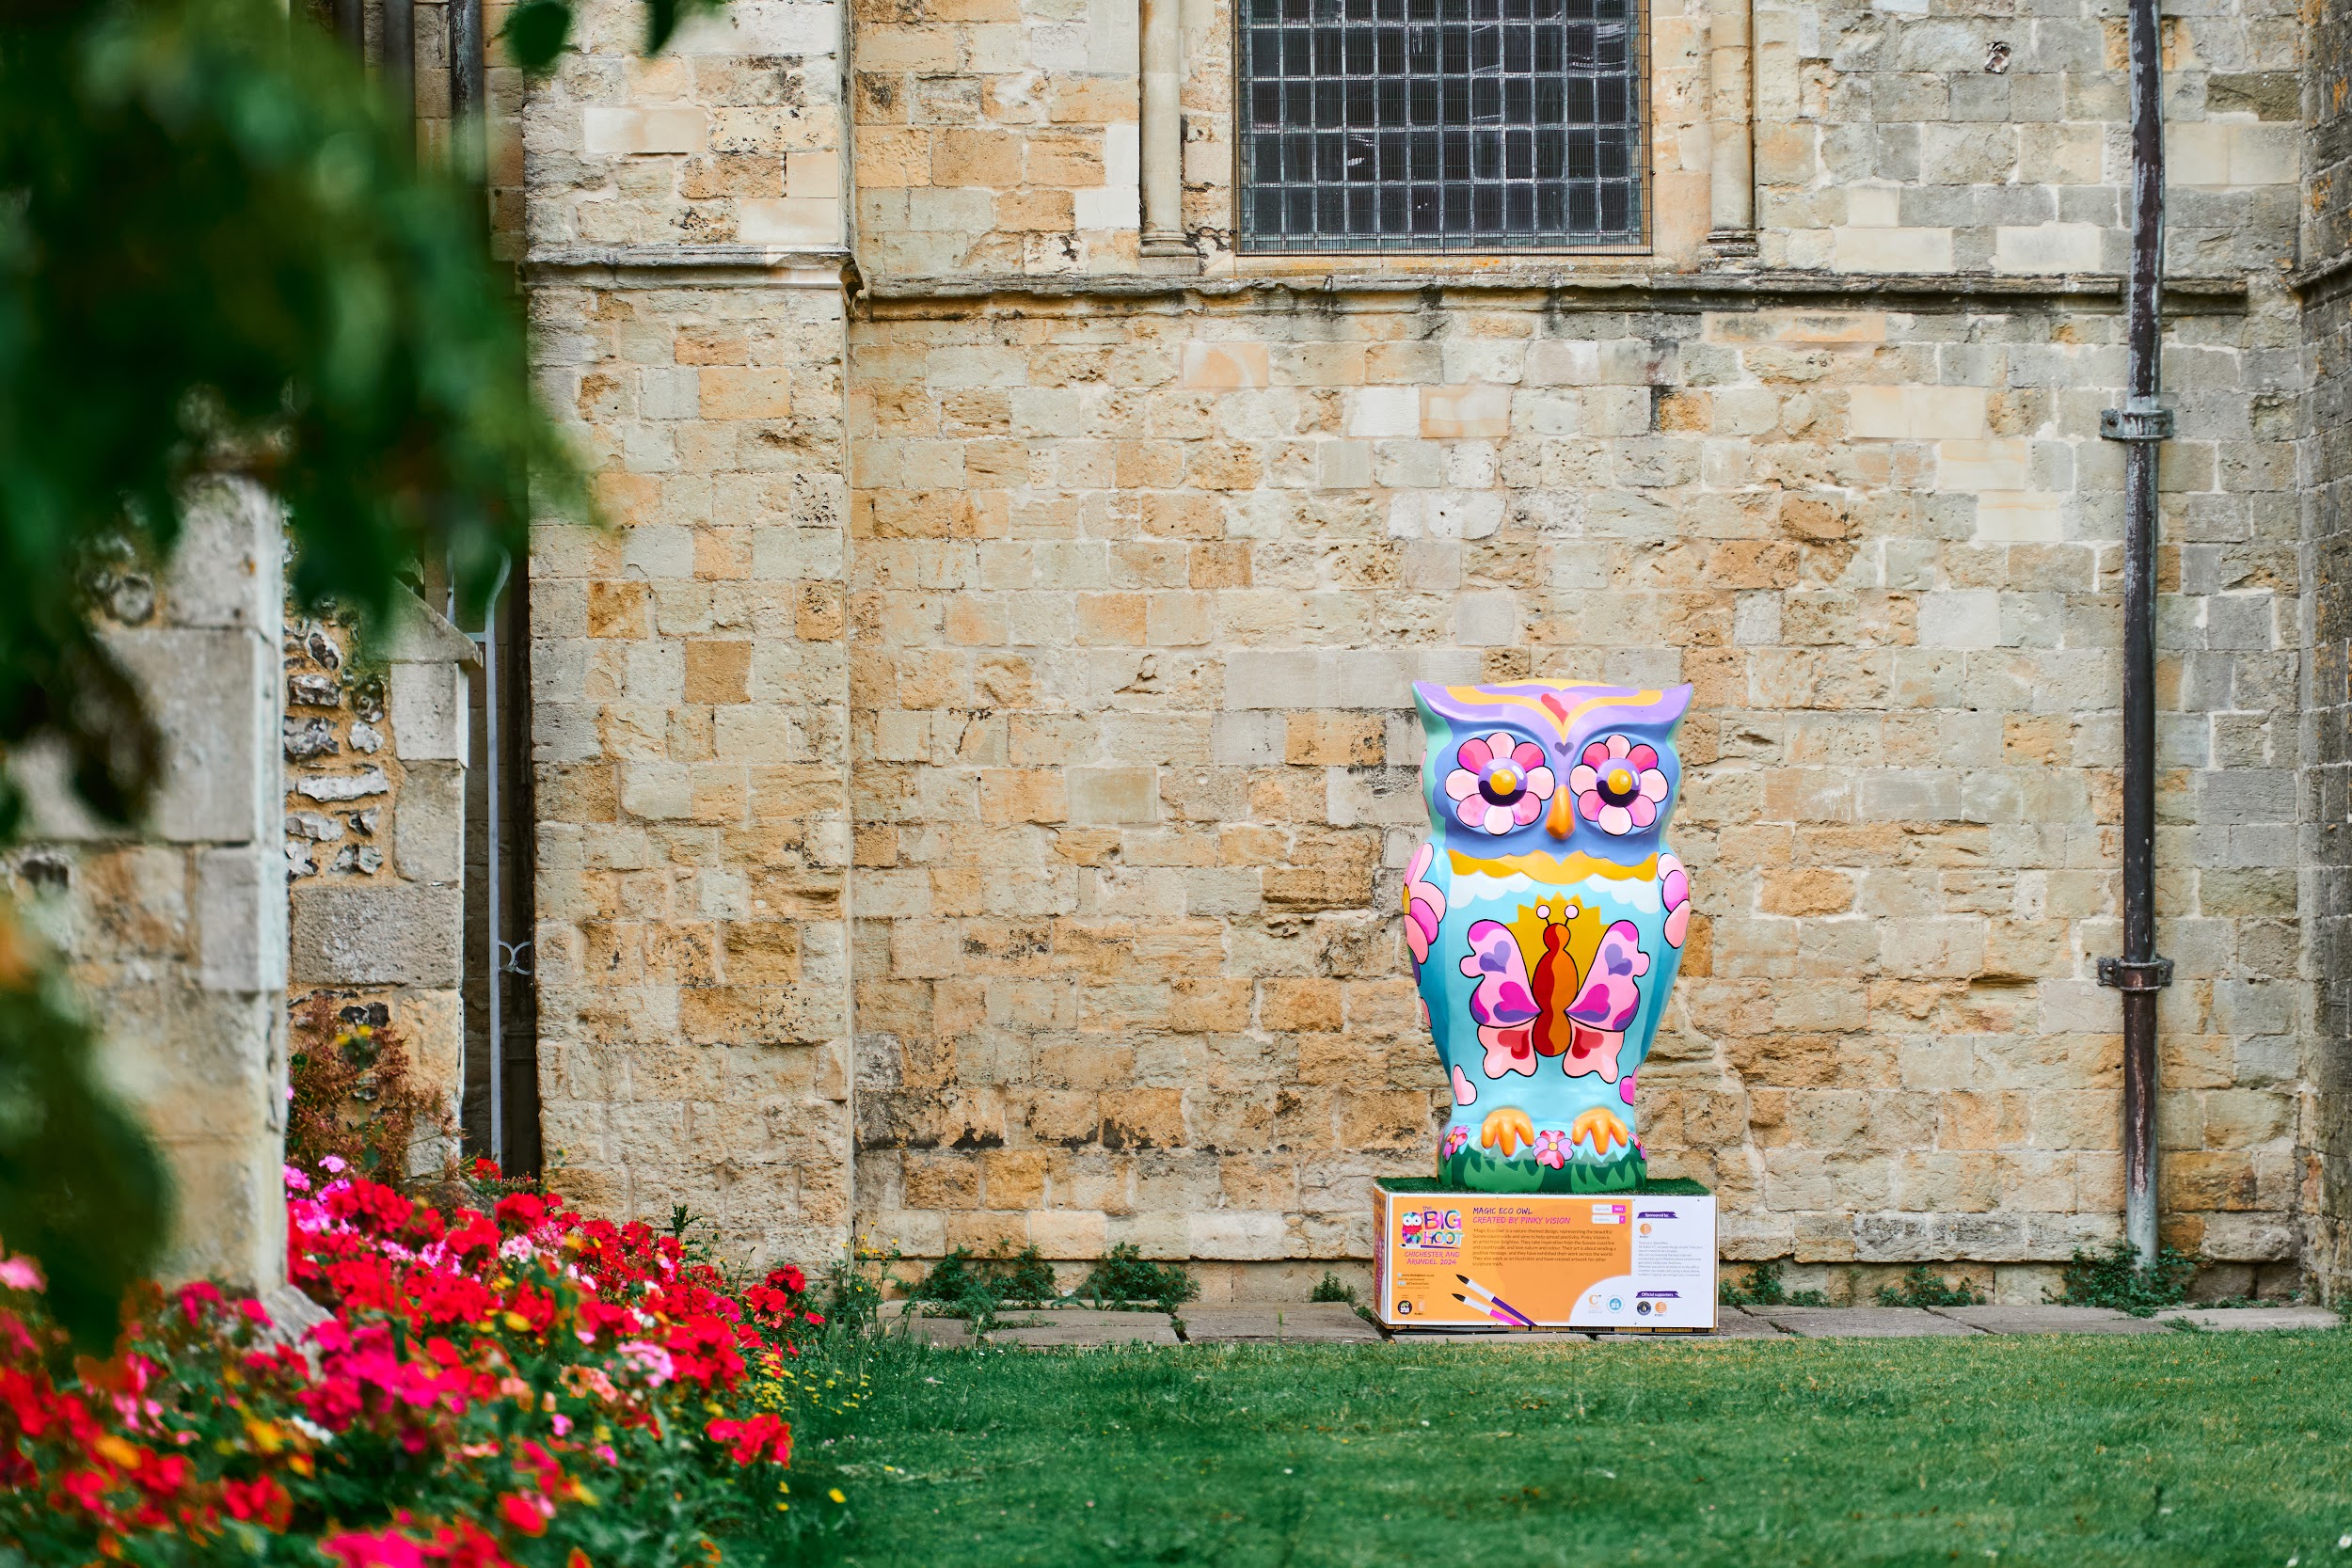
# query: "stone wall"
[[375, 740], [1000, 138], [1082, 812], [177, 934], [690, 701], [1136, 599], [1917, 139]]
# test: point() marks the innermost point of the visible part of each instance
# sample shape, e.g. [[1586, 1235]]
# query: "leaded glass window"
[[1440, 124]]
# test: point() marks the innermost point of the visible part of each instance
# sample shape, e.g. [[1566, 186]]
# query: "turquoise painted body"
[[1546, 916]]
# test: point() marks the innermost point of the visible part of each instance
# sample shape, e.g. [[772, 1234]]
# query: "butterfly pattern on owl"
[[1546, 918]]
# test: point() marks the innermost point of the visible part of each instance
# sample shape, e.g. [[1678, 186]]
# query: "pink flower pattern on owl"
[[1673, 887], [1424, 905]]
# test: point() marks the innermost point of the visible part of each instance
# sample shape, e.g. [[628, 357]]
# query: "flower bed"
[[521, 1386]]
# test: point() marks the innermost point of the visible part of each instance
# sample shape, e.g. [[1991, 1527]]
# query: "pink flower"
[[652, 1360], [1551, 1148], [21, 1274], [1619, 784], [1499, 783], [1454, 1138]]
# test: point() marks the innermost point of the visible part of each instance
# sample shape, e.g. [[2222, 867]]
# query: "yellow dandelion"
[[835, 1496]]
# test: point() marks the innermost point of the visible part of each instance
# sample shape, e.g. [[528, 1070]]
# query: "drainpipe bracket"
[[2136, 973], [2138, 419]]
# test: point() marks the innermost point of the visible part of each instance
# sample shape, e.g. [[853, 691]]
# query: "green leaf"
[[535, 34], [665, 17]]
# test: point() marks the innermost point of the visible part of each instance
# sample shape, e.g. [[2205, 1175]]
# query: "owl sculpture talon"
[[1606, 1131], [1546, 916], [1504, 1131]]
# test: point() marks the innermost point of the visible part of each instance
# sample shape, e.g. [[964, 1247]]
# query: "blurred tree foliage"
[[215, 257]]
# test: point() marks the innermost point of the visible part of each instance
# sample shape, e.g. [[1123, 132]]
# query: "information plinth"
[[1632, 1263]]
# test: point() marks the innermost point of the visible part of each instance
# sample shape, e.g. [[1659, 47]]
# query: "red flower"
[[200, 1296], [262, 1500], [762, 1436], [518, 1211], [703, 1349], [523, 1513]]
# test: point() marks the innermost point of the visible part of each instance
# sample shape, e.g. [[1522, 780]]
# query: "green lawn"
[[2201, 1448]]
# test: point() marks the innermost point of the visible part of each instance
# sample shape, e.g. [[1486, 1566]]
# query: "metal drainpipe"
[[494, 1030], [2142, 425], [399, 69], [469, 114]]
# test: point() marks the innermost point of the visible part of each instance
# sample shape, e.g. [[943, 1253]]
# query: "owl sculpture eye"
[[1499, 782], [1619, 784]]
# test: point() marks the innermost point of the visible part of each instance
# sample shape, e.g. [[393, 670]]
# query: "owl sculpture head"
[[1546, 917]]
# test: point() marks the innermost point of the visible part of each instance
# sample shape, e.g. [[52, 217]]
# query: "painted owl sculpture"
[[1546, 918]]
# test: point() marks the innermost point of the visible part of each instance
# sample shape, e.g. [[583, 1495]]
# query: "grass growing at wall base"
[[2157, 1451]]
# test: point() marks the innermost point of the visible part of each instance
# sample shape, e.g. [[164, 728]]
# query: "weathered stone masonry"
[[983, 743]]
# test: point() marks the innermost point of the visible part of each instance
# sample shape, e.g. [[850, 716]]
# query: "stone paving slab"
[[949, 1332], [1314, 1323], [1732, 1323], [2253, 1317], [2049, 1320], [1080, 1326], [1864, 1322]]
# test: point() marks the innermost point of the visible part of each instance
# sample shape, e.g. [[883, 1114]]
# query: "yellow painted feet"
[[1605, 1130], [1505, 1129]]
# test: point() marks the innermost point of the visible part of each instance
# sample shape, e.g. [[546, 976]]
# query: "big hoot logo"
[[1546, 918]]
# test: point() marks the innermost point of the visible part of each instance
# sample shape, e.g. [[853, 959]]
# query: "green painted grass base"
[[1475, 1170], [1664, 1186]]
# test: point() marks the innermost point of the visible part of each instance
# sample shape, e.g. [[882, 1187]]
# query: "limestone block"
[[376, 934], [2049, 247], [426, 704], [1891, 249], [1227, 1233], [1339, 678], [618, 130], [1445, 514], [199, 1065], [429, 824], [241, 919], [1918, 413], [226, 572], [213, 693], [230, 1212], [810, 222], [755, 27]]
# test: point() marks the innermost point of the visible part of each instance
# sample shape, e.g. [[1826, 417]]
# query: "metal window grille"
[[1440, 124]]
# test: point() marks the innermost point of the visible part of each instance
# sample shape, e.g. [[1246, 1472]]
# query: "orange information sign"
[[1633, 1263]]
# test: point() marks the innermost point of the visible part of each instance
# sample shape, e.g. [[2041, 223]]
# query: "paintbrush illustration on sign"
[[1546, 917]]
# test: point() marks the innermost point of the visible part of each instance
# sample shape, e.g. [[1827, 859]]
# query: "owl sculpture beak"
[[1560, 818]]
